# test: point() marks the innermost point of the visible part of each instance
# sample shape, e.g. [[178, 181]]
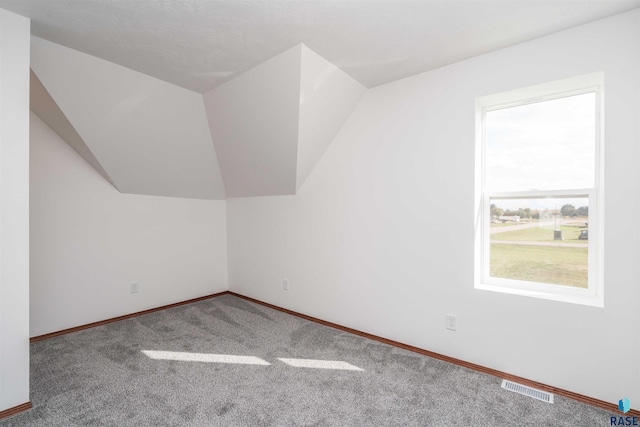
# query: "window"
[[539, 191]]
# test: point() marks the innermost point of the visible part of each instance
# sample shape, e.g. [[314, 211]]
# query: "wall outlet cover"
[[450, 322]]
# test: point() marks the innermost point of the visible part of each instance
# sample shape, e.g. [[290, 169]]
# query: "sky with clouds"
[[546, 145]]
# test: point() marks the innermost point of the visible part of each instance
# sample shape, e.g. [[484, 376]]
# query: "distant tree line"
[[570, 210], [527, 213]]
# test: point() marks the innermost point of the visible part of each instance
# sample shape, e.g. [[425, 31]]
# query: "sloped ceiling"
[[271, 124], [254, 126], [46, 108], [260, 134], [327, 97], [151, 137], [257, 130]]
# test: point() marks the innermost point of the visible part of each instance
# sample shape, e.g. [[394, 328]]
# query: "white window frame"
[[593, 295]]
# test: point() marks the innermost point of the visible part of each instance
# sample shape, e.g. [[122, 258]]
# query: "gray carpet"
[[101, 377]]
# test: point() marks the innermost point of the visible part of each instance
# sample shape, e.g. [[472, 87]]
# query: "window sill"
[[551, 293]]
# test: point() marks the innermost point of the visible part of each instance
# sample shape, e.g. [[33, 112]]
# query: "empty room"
[[328, 213]]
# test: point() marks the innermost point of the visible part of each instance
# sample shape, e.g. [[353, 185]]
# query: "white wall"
[[89, 242], [365, 244], [14, 210]]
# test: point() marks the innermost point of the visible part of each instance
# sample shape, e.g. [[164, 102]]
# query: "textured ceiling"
[[199, 44]]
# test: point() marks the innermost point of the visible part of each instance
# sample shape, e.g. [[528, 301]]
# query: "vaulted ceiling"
[[259, 134], [215, 99]]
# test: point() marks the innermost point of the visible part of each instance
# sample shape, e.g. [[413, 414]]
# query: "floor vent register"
[[527, 391]]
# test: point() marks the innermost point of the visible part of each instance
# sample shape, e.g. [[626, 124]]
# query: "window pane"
[[546, 145], [541, 240]]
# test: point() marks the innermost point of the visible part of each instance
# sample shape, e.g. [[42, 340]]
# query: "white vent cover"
[[527, 391]]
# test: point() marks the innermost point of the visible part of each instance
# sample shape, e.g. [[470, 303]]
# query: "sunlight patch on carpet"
[[204, 357], [320, 364]]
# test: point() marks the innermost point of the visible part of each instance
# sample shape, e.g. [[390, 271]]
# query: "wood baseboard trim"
[[540, 386], [15, 410], [126, 316]]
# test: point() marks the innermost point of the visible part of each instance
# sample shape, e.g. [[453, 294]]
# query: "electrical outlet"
[[285, 284], [450, 322], [134, 287]]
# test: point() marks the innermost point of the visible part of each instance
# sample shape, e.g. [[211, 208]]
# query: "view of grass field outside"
[[538, 244], [530, 149]]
